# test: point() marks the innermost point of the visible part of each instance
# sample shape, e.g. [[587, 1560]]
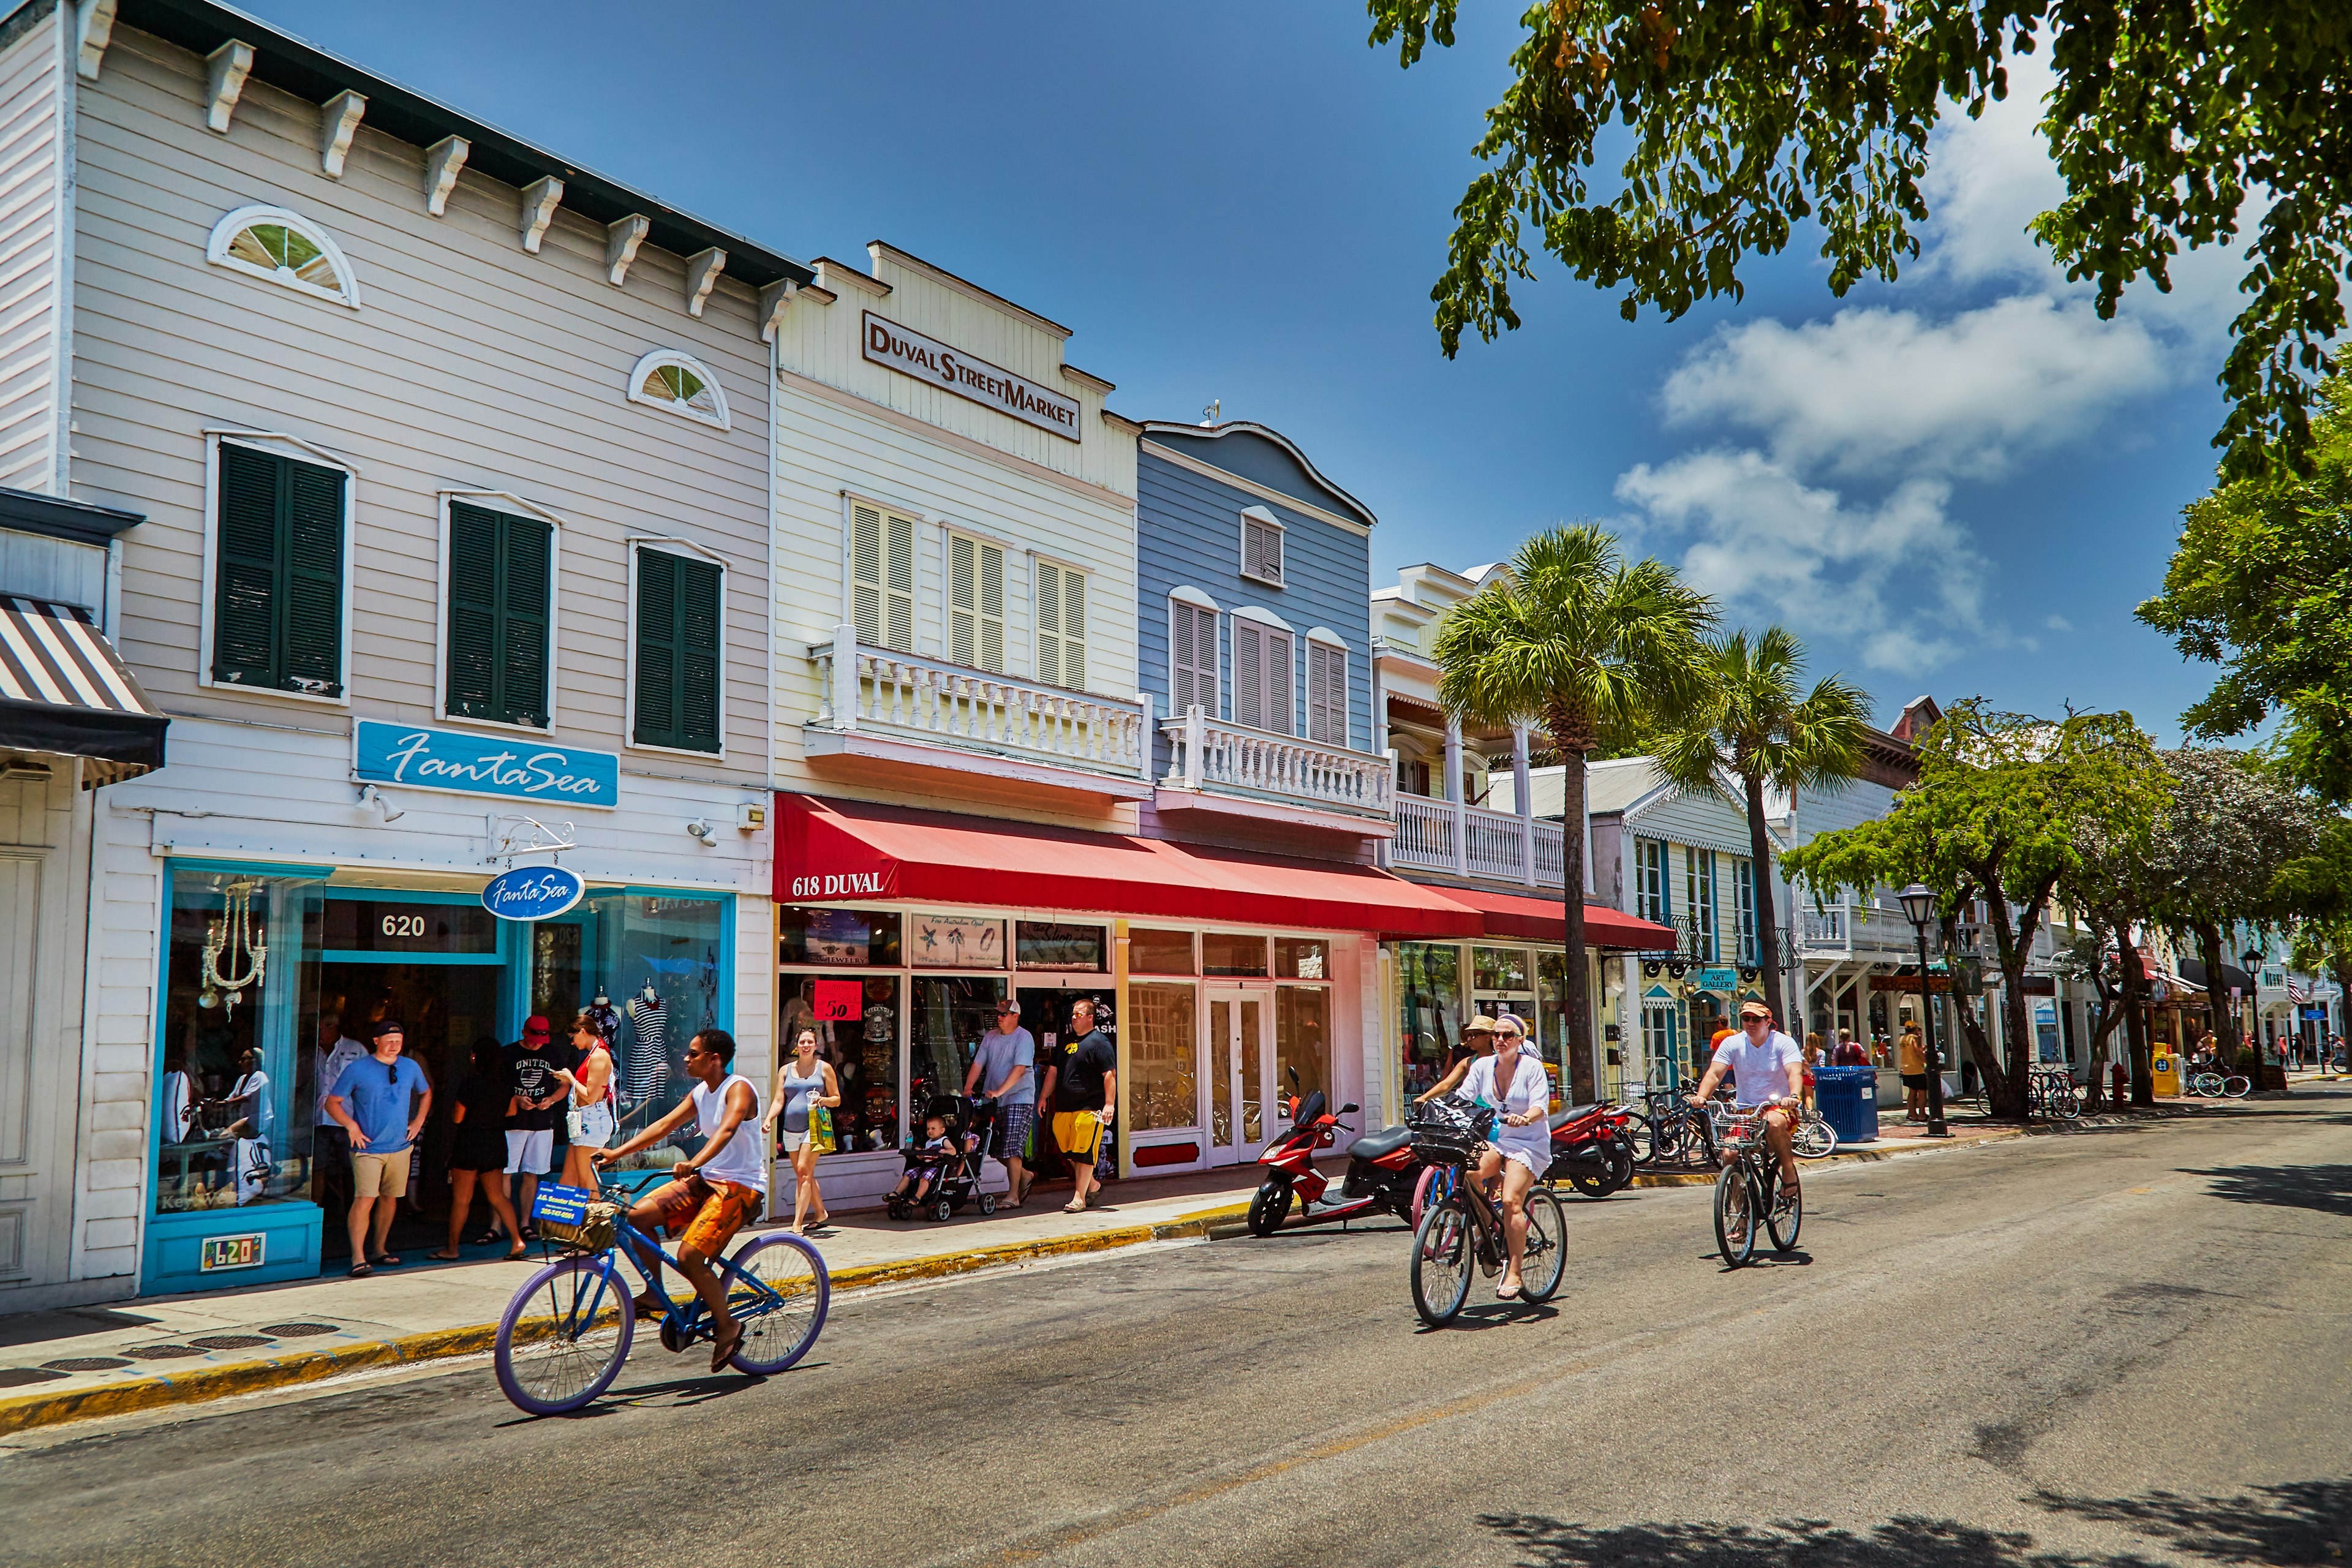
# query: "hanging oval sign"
[[532, 892]]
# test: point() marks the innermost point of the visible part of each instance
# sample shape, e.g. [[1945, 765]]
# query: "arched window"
[[285, 248], [680, 383]]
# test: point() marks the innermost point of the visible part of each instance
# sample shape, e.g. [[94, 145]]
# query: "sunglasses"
[[392, 1074]]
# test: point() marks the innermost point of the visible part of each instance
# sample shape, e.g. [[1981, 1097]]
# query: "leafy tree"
[[2085, 958], [1999, 815], [1754, 722], [1742, 119], [1588, 647], [2259, 584]]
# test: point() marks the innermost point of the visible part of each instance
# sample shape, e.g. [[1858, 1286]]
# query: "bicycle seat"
[[1386, 1141]]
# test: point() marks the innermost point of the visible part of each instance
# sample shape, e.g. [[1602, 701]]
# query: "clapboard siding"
[[31, 108], [471, 365]]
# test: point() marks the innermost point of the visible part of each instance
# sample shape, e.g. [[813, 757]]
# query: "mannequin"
[[648, 1072]]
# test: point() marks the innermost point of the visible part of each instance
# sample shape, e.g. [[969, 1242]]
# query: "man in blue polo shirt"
[[381, 1103]]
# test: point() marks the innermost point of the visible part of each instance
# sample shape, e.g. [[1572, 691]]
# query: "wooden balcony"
[[1232, 770], [1448, 836]]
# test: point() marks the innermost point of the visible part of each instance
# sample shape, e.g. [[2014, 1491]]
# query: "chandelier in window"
[[237, 951]]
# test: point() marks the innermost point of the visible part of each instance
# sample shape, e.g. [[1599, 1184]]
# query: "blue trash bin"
[[1849, 1101]]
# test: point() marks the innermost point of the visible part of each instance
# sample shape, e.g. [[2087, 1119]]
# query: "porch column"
[[1520, 796], [1453, 794]]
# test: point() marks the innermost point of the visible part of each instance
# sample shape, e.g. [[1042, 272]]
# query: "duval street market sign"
[[417, 756], [911, 353]]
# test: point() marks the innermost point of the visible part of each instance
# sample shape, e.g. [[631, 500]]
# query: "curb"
[[24, 1412], [1855, 1156]]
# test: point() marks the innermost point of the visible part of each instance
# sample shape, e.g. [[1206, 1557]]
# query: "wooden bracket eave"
[[622, 237], [775, 300], [338, 121], [93, 30], [702, 270], [540, 200], [442, 164], [226, 70]]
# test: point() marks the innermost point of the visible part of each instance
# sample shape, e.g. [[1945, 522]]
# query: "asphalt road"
[[2106, 1349]]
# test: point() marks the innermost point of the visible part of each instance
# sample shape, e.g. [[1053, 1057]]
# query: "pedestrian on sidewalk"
[[1913, 1065], [330, 1157], [478, 1156], [1850, 1052], [1005, 1062], [803, 1084], [536, 1093], [1814, 1057], [381, 1103], [1085, 1092], [590, 1119]]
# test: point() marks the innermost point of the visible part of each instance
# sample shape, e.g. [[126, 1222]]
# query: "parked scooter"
[[1381, 1170], [1592, 1148]]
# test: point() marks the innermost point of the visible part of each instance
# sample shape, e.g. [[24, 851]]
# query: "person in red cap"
[[530, 1126]]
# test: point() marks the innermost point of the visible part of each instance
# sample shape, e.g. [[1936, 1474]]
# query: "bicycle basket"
[[1447, 1131], [594, 1232]]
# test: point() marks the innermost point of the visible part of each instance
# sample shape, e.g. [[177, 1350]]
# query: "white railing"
[[1855, 928], [1471, 841], [1551, 853], [1230, 758], [1494, 845], [1426, 832], [950, 704]]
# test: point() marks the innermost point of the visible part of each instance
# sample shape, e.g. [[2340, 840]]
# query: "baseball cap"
[[1008, 1006], [384, 1026], [1754, 1010], [535, 1027]]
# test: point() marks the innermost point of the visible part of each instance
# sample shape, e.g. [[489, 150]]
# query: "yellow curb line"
[[24, 1412], [1858, 1156]]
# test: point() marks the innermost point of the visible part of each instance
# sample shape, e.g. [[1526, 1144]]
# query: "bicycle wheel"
[[1814, 1137], [778, 1288], [564, 1335], [1442, 1262], [2235, 1086], [1787, 1215], [2208, 1084], [1429, 1188], [1644, 1139], [1545, 1257], [2069, 1103], [1735, 1215]]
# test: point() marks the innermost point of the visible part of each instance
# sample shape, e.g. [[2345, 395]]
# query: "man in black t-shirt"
[[1086, 1088], [532, 1062]]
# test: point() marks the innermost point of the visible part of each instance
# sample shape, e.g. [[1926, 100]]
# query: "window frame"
[[1652, 902], [648, 364], [917, 520], [514, 505], [1268, 619], [1265, 518], [1194, 599], [949, 533], [1038, 561], [274, 443], [670, 545], [235, 222], [1330, 641], [1699, 884]]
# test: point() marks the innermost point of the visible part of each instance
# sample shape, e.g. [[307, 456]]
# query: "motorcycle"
[[1381, 1170], [1592, 1148]]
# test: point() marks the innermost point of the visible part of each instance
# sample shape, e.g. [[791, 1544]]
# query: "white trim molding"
[[622, 237], [1255, 613], [225, 235], [665, 358], [493, 501], [278, 444], [1192, 596], [93, 30], [702, 270], [540, 200], [226, 70], [1326, 635]]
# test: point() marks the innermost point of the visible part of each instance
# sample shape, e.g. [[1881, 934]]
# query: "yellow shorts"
[[710, 1211], [1078, 1135]]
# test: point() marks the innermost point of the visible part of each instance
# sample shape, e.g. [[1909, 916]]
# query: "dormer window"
[[278, 246], [1261, 546], [681, 384]]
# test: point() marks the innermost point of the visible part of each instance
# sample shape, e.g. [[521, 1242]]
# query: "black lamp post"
[[1918, 907], [2253, 957]]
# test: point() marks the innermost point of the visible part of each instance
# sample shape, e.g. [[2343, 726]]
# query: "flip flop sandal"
[[1077, 1206], [362, 1270], [444, 1256], [387, 1260], [1507, 1292], [650, 1305], [723, 1348]]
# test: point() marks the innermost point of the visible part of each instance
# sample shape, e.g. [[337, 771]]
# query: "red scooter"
[[1381, 1170], [1592, 1148]]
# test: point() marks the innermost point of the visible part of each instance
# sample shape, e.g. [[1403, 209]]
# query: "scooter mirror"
[[1348, 1109]]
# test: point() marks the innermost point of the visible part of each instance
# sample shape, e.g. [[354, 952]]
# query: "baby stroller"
[[969, 1123]]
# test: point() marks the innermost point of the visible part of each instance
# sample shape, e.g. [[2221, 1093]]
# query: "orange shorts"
[[711, 1212]]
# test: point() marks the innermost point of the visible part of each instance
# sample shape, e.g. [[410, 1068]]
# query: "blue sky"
[[1958, 483]]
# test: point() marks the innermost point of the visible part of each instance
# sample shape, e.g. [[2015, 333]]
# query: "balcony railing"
[[1470, 841], [1231, 758], [910, 696], [1850, 929]]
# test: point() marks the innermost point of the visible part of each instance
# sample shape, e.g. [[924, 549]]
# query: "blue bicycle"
[[568, 1329]]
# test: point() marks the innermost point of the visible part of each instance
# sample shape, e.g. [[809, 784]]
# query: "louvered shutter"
[[1192, 660], [314, 579], [1249, 673], [1261, 550], [1327, 694], [1277, 699], [882, 577], [699, 614], [975, 603], [501, 572], [1061, 625], [680, 615], [470, 684], [658, 652], [244, 570], [526, 558], [865, 574], [278, 570], [1074, 629]]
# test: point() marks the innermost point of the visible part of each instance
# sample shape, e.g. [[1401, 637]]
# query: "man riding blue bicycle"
[[1768, 1072], [714, 1195]]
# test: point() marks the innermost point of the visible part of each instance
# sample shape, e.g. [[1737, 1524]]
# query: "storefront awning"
[[63, 689], [841, 851], [1543, 920]]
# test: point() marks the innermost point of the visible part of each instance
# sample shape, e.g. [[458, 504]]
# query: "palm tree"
[[1588, 647], [1750, 724]]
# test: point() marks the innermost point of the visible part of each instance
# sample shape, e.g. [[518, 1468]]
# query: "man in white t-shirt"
[[1768, 1069]]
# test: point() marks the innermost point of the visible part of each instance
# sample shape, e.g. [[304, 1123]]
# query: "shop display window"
[[1302, 958], [855, 1017], [661, 962], [1153, 952], [1572, 1081], [1224, 952], [1498, 969], [838, 938], [1052, 944], [1302, 1039], [1429, 1010], [1163, 1055], [943, 1036], [953, 942], [393, 924]]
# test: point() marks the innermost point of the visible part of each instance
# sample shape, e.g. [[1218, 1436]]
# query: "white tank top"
[[740, 1162]]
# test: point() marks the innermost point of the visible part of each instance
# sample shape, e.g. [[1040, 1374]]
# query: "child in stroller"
[[944, 1166]]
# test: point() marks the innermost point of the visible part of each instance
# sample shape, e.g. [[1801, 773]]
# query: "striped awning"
[[63, 689]]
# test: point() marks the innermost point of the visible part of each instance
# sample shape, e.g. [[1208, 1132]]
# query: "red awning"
[[832, 851], [1542, 919]]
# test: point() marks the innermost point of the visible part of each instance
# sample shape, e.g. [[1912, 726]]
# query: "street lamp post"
[[1918, 906], [2253, 957]]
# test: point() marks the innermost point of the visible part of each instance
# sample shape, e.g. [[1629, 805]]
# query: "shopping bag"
[[821, 1128]]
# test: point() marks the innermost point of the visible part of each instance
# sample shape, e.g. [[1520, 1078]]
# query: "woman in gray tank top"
[[804, 1081]]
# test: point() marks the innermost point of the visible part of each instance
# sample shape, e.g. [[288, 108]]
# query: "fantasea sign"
[[532, 892], [417, 756], [911, 352]]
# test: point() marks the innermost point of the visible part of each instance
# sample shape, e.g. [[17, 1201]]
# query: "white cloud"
[[1870, 390], [1899, 581], [2059, 624]]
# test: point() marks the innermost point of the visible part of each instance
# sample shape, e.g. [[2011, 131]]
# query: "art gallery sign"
[[927, 359]]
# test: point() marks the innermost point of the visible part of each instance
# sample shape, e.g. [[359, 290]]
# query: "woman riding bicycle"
[[1512, 1082]]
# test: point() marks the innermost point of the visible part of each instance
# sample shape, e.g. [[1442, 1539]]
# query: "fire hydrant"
[[2122, 1082]]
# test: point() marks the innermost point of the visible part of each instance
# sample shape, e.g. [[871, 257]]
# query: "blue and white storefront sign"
[[1717, 979], [417, 756], [532, 892]]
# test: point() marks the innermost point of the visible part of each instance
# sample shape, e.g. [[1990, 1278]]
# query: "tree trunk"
[[2134, 987], [1572, 752], [2216, 1002], [2012, 947], [1767, 930], [2008, 1105]]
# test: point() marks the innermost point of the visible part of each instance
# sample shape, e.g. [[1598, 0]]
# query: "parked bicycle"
[[2052, 1092], [1750, 1191], [2214, 1086], [1462, 1233], [1666, 1130], [566, 1333]]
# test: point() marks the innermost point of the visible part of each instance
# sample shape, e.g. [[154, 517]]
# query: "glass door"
[[1243, 1094]]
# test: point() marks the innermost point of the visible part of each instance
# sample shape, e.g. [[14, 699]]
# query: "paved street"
[[2120, 1346]]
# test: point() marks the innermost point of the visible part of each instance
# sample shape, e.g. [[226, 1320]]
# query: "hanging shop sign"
[[928, 359], [533, 892], [1716, 979], [417, 756]]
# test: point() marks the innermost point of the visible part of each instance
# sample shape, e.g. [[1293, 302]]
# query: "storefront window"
[[1162, 1053], [660, 962], [1049, 944], [837, 938], [1429, 1010], [855, 1017], [1302, 1039], [1574, 1083], [235, 1126], [943, 1035], [1500, 969], [954, 941], [1223, 952], [1153, 952], [1302, 958]]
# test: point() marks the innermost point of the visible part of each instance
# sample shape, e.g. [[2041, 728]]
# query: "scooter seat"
[[1386, 1141], [1561, 1118]]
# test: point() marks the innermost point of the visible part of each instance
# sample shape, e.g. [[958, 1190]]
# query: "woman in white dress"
[[1512, 1082]]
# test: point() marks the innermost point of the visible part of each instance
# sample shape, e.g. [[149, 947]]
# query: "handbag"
[[821, 1128]]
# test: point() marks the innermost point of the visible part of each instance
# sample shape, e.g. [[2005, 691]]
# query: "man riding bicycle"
[[1768, 1072]]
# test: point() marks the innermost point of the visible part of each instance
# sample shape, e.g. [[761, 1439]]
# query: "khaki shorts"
[[380, 1175]]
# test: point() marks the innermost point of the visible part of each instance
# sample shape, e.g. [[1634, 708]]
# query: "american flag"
[[2297, 992]]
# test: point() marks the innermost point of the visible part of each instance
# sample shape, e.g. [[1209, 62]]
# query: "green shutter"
[[678, 616], [498, 581], [277, 604]]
